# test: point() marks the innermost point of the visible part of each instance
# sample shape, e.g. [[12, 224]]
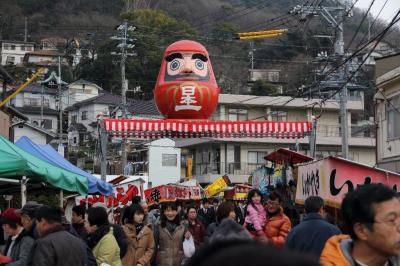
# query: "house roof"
[[134, 106], [78, 127], [45, 53], [5, 75], [20, 42], [42, 130], [36, 110], [37, 88], [85, 82], [14, 112]]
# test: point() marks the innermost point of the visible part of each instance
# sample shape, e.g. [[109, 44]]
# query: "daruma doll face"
[[186, 86]]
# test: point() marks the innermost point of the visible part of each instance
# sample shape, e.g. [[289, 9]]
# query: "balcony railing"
[[367, 131], [225, 168]]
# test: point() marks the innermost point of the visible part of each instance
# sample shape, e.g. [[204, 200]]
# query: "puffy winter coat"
[[277, 228], [140, 247], [170, 246], [107, 250], [256, 216]]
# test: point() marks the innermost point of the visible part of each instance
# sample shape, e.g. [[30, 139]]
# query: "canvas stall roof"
[[40, 170], [285, 155], [48, 154]]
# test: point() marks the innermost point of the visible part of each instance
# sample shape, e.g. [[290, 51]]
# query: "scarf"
[[138, 228]]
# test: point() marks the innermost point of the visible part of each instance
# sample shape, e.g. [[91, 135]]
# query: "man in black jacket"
[[56, 246], [28, 219], [206, 213]]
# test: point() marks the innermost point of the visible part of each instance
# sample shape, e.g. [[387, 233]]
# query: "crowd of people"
[[214, 233]]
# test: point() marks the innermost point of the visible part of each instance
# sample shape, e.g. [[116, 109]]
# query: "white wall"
[[34, 135], [158, 174]]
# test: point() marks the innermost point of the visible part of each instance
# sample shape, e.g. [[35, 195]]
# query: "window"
[[393, 117], [22, 47], [84, 115], [237, 115], [12, 47], [73, 119], [236, 156], [36, 102], [74, 140], [10, 60], [47, 123], [279, 115], [273, 76], [169, 159], [6, 46], [256, 157]]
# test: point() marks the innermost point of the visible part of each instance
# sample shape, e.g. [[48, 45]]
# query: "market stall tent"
[[48, 154], [38, 170]]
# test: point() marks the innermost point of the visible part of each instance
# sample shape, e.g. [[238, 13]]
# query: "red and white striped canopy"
[[214, 129]]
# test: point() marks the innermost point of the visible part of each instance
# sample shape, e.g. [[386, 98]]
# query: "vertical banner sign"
[[190, 167], [331, 178]]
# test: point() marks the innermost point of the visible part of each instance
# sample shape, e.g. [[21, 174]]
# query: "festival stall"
[[238, 192], [281, 172], [48, 154], [22, 166], [172, 192], [332, 177]]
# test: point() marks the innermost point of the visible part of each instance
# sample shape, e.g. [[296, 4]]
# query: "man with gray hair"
[[28, 218]]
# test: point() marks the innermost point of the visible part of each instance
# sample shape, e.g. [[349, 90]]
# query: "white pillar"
[[24, 180]]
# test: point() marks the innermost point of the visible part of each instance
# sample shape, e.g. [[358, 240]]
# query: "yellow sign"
[[215, 187], [240, 196], [189, 167]]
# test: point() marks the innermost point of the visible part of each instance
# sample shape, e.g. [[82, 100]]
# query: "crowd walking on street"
[[210, 233]]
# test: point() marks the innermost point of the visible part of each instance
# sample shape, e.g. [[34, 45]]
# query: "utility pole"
[[60, 101], [251, 59], [336, 21], [26, 30], [123, 46]]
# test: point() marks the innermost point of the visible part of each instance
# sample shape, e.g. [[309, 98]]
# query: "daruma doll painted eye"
[[186, 86]]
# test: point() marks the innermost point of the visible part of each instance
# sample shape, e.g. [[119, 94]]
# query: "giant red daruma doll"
[[186, 86]]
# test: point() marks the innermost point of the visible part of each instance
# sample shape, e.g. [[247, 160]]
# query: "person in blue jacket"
[[312, 233]]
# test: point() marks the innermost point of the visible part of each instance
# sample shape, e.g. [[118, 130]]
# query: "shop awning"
[[285, 155], [37, 169], [194, 128], [48, 154]]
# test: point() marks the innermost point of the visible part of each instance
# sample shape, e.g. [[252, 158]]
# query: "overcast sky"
[[391, 8]]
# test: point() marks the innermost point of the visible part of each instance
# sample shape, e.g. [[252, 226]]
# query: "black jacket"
[[311, 235], [58, 248], [206, 216], [120, 236], [21, 249]]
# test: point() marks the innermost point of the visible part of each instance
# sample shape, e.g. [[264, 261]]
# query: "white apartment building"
[[213, 157], [13, 52], [387, 112]]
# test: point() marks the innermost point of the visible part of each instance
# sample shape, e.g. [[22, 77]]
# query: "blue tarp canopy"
[[48, 154]]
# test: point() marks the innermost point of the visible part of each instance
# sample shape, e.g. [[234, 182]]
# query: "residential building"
[[387, 112], [45, 58], [37, 134], [78, 91], [274, 76], [38, 103], [13, 52], [83, 115], [239, 157]]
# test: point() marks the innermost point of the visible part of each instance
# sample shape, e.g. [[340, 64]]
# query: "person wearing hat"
[[55, 246], [19, 243], [28, 218]]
